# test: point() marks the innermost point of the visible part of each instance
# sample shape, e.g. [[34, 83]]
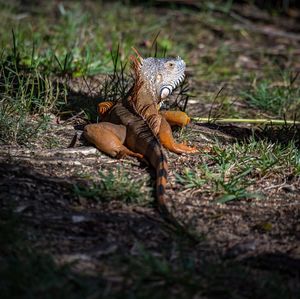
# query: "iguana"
[[133, 125]]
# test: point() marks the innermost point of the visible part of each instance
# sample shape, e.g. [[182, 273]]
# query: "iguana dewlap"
[[133, 126]]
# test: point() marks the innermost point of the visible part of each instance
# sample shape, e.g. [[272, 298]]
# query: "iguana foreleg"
[[176, 118], [167, 140], [109, 138], [103, 107]]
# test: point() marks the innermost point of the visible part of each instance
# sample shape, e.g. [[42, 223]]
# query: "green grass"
[[27, 96], [42, 50], [218, 65], [280, 98], [58, 46], [78, 39], [115, 185], [231, 172]]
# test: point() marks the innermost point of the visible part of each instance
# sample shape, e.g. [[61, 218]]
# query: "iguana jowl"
[[134, 126]]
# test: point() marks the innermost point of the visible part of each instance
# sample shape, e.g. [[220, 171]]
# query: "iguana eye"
[[170, 64]]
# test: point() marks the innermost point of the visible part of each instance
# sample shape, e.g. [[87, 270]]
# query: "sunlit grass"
[[115, 185], [280, 98], [231, 172]]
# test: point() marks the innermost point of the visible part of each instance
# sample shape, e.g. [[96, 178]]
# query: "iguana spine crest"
[[146, 108]]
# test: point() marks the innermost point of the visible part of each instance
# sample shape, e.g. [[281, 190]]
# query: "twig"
[[214, 100], [246, 121], [73, 117]]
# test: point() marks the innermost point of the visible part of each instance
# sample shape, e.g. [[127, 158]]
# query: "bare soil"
[[261, 235]]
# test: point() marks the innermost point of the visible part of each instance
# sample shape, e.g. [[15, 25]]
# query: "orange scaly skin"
[[122, 133], [176, 118], [104, 107], [168, 119]]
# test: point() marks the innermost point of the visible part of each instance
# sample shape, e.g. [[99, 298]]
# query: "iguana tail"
[[149, 146], [156, 157], [159, 163]]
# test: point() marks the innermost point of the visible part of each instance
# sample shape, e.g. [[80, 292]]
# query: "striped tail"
[[161, 182], [158, 161], [161, 179]]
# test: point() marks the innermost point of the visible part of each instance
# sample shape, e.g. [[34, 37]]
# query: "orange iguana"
[[133, 125]]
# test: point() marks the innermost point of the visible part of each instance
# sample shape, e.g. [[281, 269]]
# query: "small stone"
[[241, 248], [78, 218]]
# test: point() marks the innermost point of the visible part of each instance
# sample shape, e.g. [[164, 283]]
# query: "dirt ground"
[[262, 236]]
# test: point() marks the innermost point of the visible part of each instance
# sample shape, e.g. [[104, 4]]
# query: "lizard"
[[134, 126], [156, 73]]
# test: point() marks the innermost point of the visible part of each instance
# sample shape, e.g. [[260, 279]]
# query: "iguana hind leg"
[[176, 118], [167, 140], [109, 138]]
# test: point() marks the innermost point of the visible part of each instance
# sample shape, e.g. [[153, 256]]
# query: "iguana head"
[[161, 75], [155, 79], [158, 77]]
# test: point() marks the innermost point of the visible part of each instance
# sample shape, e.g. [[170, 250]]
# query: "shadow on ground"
[[276, 134], [104, 250]]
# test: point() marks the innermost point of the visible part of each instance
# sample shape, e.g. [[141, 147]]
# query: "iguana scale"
[[133, 125]]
